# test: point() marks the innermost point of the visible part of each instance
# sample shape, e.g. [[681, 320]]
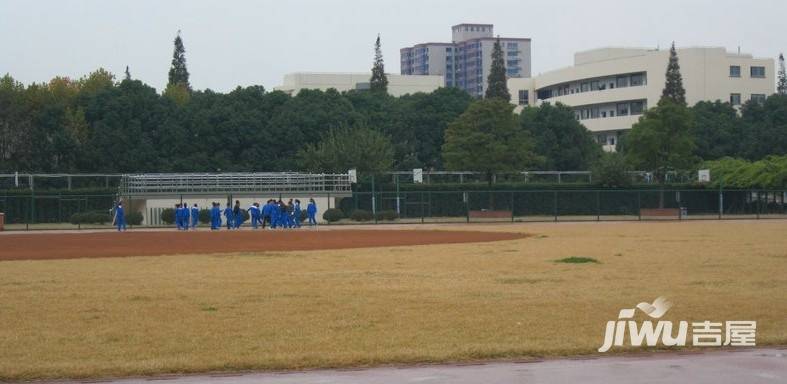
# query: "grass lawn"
[[146, 315]]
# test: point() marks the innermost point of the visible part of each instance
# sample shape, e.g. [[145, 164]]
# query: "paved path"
[[762, 365]]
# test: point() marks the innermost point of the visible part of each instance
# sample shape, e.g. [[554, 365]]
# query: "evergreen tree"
[[496, 82], [781, 88], [378, 82], [128, 74], [178, 74], [673, 89]]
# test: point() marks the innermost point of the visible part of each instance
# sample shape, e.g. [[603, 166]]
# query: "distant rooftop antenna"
[[739, 49]]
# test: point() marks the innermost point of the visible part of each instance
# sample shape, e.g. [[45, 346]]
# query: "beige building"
[[609, 88], [398, 85]]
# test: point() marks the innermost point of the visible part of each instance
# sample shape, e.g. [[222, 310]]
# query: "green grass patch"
[[577, 260]]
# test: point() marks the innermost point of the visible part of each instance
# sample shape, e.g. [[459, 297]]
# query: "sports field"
[[257, 309]]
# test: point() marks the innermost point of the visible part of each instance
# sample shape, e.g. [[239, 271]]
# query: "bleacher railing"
[[144, 184]]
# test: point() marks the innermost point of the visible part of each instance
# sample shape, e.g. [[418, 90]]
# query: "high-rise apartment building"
[[465, 61]]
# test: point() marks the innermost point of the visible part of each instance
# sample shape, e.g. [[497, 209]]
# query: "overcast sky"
[[231, 43]]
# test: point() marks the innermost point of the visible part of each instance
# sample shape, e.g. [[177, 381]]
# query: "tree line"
[[99, 124]]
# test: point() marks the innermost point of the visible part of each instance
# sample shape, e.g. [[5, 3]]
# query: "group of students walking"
[[274, 214]]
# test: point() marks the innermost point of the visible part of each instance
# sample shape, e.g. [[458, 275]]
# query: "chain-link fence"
[[60, 211], [564, 205]]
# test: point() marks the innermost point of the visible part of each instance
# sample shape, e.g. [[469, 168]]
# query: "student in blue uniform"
[[120, 217], [237, 215], [296, 213], [266, 213], [229, 216], [254, 215], [178, 217], [194, 217], [215, 216], [275, 211], [185, 218], [311, 212]]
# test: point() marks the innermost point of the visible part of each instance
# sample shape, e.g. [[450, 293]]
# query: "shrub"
[[168, 215], [134, 218], [388, 215], [91, 217], [204, 216], [333, 215], [611, 170], [361, 215]]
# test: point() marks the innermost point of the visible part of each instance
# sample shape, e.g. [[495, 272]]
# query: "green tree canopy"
[[661, 141], [563, 142], [716, 130], [488, 138], [765, 128], [344, 148], [378, 81], [496, 82], [673, 88]]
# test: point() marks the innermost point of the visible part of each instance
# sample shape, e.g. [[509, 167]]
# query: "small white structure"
[[398, 85]]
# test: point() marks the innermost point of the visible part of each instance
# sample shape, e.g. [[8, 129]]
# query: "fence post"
[[758, 205], [422, 207], [639, 205], [512, 206], [554, 204], [598, 205], [466, 197]]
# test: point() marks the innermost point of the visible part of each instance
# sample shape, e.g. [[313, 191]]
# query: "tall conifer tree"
[[673, 89], [496, 82], [379, 81], [178, 74], [781, 88]]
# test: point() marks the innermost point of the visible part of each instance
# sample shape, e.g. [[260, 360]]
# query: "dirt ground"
[[407, 304], [45, 246]]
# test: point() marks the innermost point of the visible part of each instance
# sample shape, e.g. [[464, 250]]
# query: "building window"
[[637, 80], [637, 107], [524, 97], [623, 81], [735, 71], [757, 98], [758, 72], [594, 113], [735, 98], [623, 109], [585, 87]]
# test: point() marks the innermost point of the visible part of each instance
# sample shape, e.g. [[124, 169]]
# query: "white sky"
[[231, 43]]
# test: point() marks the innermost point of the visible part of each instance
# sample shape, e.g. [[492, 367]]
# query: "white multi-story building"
[[609, 88], [398, 85], [465, 62]]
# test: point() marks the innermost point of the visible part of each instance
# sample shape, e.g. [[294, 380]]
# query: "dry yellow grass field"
[[146, 315]]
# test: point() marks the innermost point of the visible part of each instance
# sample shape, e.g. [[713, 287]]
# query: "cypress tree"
[[178, 74], [128, 74], [496, 82], [673, 89], [379, 81], [781, 88]]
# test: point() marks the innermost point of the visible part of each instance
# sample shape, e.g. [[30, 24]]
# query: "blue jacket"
[[194, 212], [228, 212], [311, 209]]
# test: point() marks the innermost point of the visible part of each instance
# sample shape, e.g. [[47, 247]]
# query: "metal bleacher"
[[236, 183]]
